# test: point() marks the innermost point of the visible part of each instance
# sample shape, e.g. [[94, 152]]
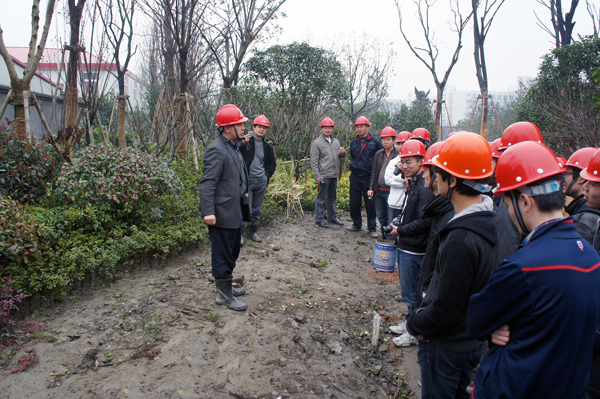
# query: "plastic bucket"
[[385, 256]]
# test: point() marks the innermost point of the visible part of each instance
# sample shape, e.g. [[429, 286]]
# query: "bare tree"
[[21, 85], [71, 91], [118, 22], [595, 15], [562, 25], [368, 68], [428, 55], [232, 27], [481, 27]]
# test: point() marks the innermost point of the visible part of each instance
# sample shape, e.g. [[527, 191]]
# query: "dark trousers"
[[358, 191], [445, 374], [381, 207], [225, 249], [327, 194]]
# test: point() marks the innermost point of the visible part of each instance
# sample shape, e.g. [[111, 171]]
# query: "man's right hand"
[[319, 180], [210, 220], [501, 336]]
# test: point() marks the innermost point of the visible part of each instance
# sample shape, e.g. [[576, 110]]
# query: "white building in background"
[[102, 73]]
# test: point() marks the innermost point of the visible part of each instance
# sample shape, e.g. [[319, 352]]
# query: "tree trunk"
[[485, 127], [438, 112], [121, 121], [20, 130], [181, 127]]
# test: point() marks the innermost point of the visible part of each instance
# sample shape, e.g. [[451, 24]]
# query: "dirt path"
[[158, 332]]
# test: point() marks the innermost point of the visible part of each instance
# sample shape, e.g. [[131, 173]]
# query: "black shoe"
[[336, 222], [323, 225]]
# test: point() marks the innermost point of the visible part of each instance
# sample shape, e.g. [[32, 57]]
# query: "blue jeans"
[[446, 374], [409, 268], [393, 213], [358, 191], [381, 207]]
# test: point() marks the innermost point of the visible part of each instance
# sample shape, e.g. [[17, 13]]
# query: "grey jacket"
[[325, 158], [221, 184]]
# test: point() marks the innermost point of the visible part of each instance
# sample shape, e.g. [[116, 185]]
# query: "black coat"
[[440, 210], [584, 218], [221, 185], [414, 229], [377, 162], [270, 164], [465, 262]]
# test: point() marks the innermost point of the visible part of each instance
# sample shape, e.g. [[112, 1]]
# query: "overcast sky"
[[514, 45]]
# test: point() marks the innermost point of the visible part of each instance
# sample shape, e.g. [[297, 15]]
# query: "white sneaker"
[[399, 328], [405, 340]]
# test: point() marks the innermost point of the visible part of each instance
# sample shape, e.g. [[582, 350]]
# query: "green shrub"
[[18, 233], [116, 180], [270, 210], [26, 168], [342, 202]]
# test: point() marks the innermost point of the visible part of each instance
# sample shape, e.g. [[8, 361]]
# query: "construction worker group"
[[488, 259]]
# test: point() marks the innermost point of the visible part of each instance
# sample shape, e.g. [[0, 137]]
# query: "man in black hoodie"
[[466, 259], [412, 229], [584, 217]]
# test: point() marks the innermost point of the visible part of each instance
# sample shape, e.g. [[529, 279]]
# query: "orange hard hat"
[[388, 132], [494, 145], [261, 120], [525, 163], [465, 155], [421, 133], [432, 152], [230, 115], [592, 172], [413, 148], [581, 158], [518, 132], [403, 137], [327, 122], [362, 121]]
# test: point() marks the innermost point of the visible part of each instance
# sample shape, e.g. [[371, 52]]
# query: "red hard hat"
[[562, 161], [465, 155], [525, 163], [494, 146], [230, 115], [403, 137], [388, 132], [261, 120], [327, 122], [518, 132], [421, 133], [362, 121], [432, 152], [592, 172], [412, 148], [581, 158]]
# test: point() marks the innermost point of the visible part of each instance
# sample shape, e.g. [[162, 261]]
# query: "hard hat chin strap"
[[568, 191], [518, 213]]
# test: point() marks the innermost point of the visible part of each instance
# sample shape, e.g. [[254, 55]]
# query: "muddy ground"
[[158, 333]]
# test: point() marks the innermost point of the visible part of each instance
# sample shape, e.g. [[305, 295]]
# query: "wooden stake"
[[26, 109], [89, 126], [111, 118], [43, 119], [5, 103], [376, 328]]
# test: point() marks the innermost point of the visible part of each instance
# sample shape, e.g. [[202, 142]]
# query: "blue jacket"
[[547, 292], [361, 164]]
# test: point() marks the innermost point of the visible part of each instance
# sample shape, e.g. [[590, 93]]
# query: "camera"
[[388, 229]]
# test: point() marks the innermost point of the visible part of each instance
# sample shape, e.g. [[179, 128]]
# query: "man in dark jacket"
[[465, 261], [362, 152], [411, 228], [584, 217], [591, 191], [378, 190], [260, 164], [223, 195], [542, 303]]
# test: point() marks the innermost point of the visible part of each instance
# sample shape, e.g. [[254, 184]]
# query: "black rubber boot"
[[225, 295], [238, 291], [253, 233]]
